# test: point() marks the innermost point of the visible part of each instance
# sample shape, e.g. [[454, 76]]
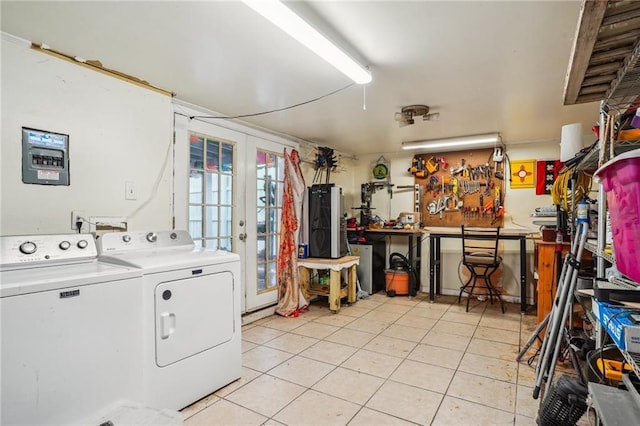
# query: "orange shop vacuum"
[[400, 278]]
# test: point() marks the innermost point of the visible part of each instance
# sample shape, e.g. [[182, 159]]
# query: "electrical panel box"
[[45, 157]]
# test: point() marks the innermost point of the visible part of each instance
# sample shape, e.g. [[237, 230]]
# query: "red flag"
[[546, 174]]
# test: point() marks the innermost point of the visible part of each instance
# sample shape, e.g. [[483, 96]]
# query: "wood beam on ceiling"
[[591, 15], [610, 55], [622, 29], [630, 12], [589, 90], [602, 69], [590, 98], [598, 79], [627, 38]]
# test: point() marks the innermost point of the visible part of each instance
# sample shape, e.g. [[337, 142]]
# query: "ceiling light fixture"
[[288, 21], [406, 114], [432, 116], [487, 140]]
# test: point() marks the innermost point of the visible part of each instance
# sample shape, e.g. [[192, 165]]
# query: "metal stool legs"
[[486, 274]]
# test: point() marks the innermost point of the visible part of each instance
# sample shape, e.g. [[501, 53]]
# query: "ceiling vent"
[[405, 116]]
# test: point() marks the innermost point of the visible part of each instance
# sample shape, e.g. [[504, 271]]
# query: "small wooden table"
[[335, 266]]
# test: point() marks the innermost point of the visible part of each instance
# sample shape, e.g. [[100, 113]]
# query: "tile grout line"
[[446, 392]]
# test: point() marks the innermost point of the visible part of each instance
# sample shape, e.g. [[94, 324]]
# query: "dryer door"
[[193, 315]]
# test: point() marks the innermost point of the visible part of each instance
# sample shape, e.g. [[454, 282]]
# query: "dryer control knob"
[[152, 237], [82, 244], [28, 247], [64, 245], [126, 238], [173, 236]]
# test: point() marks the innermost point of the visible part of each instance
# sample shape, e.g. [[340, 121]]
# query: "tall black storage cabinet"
[[327, 224]]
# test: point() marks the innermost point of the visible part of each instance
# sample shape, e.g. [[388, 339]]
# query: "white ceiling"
[[484, 66]]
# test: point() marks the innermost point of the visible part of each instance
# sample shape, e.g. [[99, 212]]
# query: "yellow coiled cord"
[[561, 191]]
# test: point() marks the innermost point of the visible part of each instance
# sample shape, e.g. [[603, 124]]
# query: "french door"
[[264, 213], [231, 184]]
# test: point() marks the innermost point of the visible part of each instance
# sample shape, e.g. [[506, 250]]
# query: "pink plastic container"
[[621, 181]]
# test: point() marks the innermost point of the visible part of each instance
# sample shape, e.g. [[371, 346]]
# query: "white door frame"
[[246, 141]]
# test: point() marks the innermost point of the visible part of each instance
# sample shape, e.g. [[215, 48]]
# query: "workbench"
[[334, 289], [435, 258]]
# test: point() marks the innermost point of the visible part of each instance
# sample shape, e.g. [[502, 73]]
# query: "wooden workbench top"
[[396, 231], [503, 231], [325, 263]]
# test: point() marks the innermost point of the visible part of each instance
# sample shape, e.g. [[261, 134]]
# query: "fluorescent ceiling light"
[[488, 140], [284, 18], [15, 39]]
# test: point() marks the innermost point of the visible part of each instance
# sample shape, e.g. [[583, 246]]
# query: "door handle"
[[242, 236], [167, 325]]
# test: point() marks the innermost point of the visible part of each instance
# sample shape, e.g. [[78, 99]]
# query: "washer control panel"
[[117, 242], [36, 249]]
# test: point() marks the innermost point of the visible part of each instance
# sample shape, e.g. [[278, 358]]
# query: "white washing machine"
[[191, 314], [68, 347]]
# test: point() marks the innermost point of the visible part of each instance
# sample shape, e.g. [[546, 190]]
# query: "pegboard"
[[460, 188]]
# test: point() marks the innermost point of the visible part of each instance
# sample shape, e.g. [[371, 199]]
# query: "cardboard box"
[[615, 320], [409, 218]]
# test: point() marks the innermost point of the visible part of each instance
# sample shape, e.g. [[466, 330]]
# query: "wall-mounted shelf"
[[605, 60], [589, 162], [593, 248], [633, 359], [624, 89]]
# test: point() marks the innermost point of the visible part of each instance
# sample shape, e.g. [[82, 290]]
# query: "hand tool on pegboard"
[[418, 167], [432, 165], [498, 207], [443, 163]]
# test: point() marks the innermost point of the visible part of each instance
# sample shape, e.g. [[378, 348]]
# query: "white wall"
[[118, 132], [520, 203]]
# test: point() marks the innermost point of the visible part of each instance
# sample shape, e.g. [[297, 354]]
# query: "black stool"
[[480, 257]]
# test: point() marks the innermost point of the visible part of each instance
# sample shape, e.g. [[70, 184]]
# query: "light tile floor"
[[381, 361]]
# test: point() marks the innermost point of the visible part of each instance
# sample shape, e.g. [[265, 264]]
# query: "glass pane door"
[[269, 180], [211, 183], [264, 199]]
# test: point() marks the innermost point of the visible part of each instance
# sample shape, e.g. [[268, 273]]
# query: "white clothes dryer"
[[67, 342], [191, 314]]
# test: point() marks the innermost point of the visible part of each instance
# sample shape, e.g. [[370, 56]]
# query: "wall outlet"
[[77, 216]]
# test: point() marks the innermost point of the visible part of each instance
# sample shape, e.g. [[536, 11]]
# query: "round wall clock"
[[380, 171]]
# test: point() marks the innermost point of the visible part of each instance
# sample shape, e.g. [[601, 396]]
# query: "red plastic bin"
[[621, 181]]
